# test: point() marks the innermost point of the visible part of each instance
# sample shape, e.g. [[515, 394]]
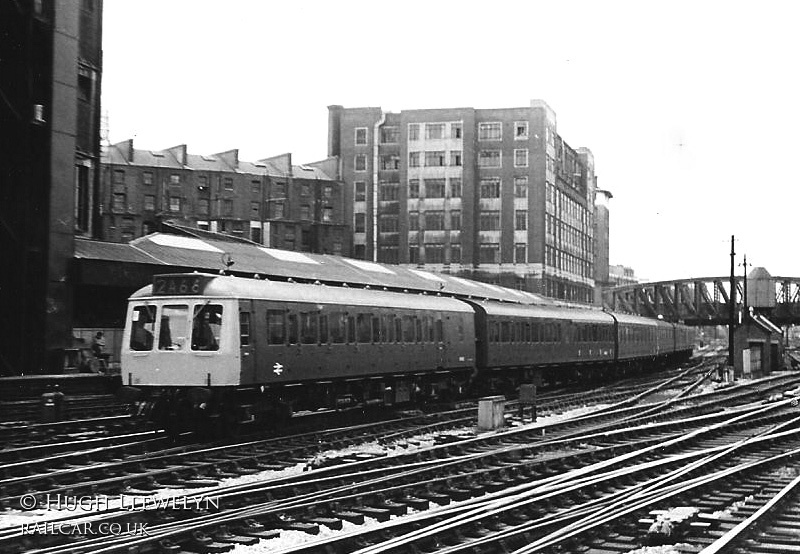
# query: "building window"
[[390, 162], [361, 223], [520, 253], [327, 215], [455, 130], [202, 182], [119, 202], [227, 207], [361, 135], [388, 254], [255, 209], [434, 158], [455, 158], [434, 188], [520, 220], [174, 203], [455, 253], [277, 210], [305, 212], [149, 202], [489, 221], [455, 220], [388, 223], [490, 188], [279, 189], [174, 179], [434, 131], [361, 162], [521, 187], [327, 192], [202, 206], [455, 187], [413, 159], [390, 135], [388, 191], [434, 221], [521, 157], [413, 254], [490, 158], [489, 254], [413, 221], [520, 130], [361, 191], [434, 253], [255, 187], [490, 131], [119, 176], [413, 188], [227, 182], [413, 131], [147, 178]]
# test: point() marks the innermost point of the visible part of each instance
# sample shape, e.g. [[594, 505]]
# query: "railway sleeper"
[[224, 535], [203, 544]]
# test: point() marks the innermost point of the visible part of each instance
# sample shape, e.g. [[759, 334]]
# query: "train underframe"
[[221, 411]]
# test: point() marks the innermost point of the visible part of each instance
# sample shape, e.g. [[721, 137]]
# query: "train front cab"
[[181, 342]]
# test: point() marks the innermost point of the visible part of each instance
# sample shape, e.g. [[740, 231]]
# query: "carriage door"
[[247, 340]]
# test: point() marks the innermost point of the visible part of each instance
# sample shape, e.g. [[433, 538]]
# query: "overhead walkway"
[[706, 300]]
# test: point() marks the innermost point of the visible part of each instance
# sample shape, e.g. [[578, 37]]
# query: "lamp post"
[[732, 307], [745, 309]]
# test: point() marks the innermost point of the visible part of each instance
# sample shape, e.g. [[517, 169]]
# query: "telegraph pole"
[[732, 306]]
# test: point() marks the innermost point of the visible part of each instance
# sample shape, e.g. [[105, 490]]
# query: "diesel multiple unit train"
[[236, 348]]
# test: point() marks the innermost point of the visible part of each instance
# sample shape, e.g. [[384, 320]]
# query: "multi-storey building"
[[50, 74], [270, 202], [493, 194], [601, 246], [620, 275]]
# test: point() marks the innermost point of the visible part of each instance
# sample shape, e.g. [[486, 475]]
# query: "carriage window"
[[528, 332], [386, 328], [308, 327], [438, 330], [431, 331], [460, 329], [362, 328], [351, 329], [408, 329], [398, 329], [276, 328], [173, 330], [418, 328], [337, 324], [244, 328], [323, 329], [143, 322], [206, 324], [505, 335], [376, 329], [292, 324]]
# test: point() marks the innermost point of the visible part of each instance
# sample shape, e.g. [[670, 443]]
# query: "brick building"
[[495, 194], [50, 76], [271, 202]]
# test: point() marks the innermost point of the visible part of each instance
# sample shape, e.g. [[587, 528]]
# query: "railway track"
[[454, 470]]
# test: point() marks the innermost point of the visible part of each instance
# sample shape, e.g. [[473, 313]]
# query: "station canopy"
[[181, 253]]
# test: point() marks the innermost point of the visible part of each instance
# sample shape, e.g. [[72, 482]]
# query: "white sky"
[[690, 108]]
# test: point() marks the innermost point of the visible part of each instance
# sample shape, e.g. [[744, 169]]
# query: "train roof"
[[587, 315], [226, 286], [205, 254]]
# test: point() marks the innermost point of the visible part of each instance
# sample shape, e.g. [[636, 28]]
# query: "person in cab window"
[[203, 335], [141, 338]]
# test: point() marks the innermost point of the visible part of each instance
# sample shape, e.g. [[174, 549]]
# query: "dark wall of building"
[[41, 122]]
